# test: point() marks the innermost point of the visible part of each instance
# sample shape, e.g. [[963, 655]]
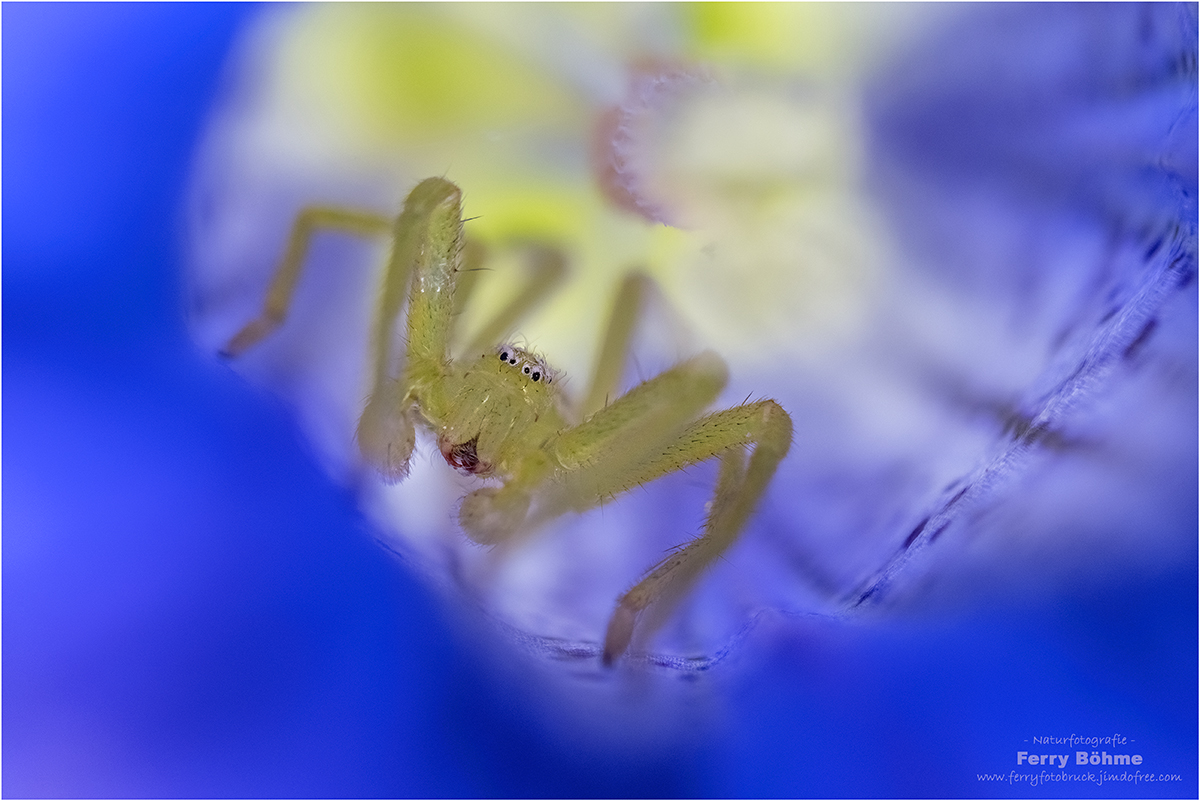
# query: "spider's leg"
[[767, 428], [647, 433], [283, 282], [614, 346], [546, 267], [583, 464], [427, 244], [427, 251]]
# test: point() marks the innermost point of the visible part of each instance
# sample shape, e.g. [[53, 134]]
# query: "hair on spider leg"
[[670, 549], [636, 364]]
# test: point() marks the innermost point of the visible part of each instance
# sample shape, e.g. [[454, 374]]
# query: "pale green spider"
[[499, 412]]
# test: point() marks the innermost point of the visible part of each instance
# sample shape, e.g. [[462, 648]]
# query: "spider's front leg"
[[282, 287], [647, 433], [427, 246], [763, 427], [427, 253], [386, 436]]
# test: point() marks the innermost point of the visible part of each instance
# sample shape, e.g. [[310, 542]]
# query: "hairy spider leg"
[[545, 269], [575, 468], [647, 433], [426, 255], [741, 482], [283, 282], [622, 447], [614, 347]]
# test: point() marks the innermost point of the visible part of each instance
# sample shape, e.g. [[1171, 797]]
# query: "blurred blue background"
[[190, 608]]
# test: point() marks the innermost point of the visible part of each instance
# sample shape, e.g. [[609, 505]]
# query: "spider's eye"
[[536, 375], [526, 370], [513, 360], [504, 356]]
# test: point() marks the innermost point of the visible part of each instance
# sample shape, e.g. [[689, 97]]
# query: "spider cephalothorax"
[[505, 390], [499, 413]]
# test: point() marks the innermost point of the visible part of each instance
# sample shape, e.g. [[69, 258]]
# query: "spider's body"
[[498, 412]]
